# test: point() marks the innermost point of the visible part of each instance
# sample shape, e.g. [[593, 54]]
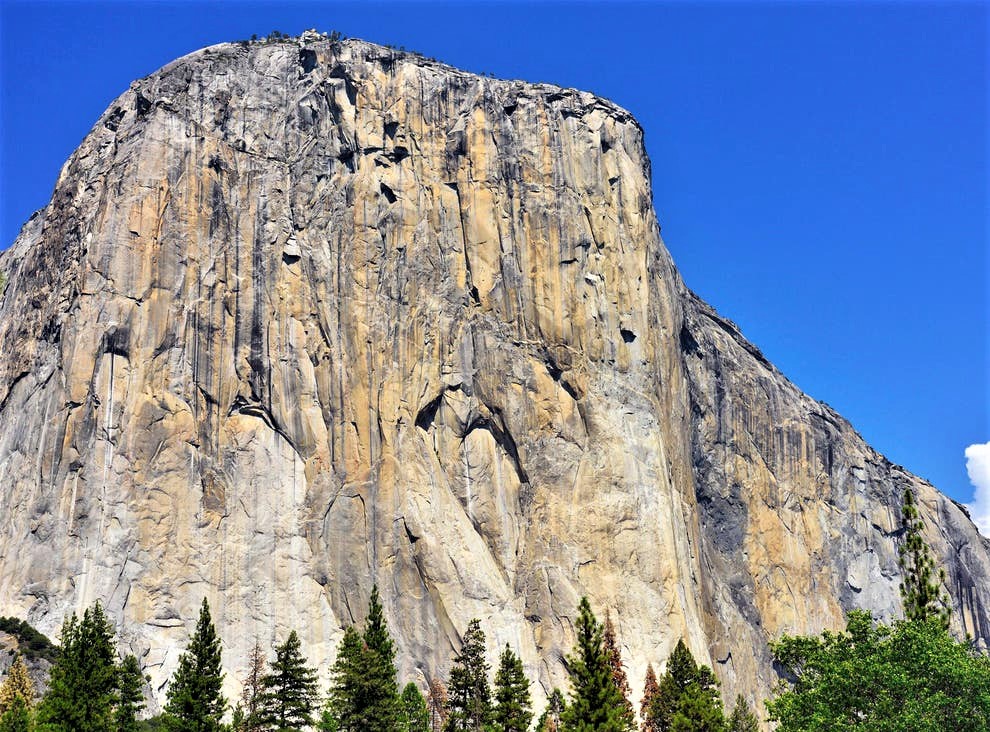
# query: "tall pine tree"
[[469, 703], [82, 690], [289, 690], [688, 698], [596, 704], [363, 692], [513, 707], [382, 709], [130, 694], [194, 699], [345, 702], [415, 715], [921, 588]]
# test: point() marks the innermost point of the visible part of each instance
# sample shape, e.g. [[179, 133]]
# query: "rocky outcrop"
[[306, 316]]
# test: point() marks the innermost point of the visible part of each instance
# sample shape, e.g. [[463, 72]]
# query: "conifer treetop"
[[597, 704], [195, 699], [513, 707], [16, 685], [921, 587]]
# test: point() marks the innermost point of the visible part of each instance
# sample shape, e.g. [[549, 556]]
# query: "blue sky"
[[820, 170]]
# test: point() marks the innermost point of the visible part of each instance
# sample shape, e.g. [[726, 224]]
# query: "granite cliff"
[[306, 316]]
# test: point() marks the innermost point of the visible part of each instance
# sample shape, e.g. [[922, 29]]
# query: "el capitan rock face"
[[306, 316]]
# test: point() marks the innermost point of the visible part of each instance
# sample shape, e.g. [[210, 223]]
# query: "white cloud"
[[978, 467]]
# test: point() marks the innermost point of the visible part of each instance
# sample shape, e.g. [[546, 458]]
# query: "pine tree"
[[415, 716], [364, 693], [250, 705], [237, 718], [16, 685], [921, 593], [289, 694], [381, 696], [82, 681], [194, 699], [436, 704], [611, 643], [688, 698], [650, 690], [130, 694], [345, 706], [513, 707], [550, 719], [469, 702], [742, 718], [596, 704]]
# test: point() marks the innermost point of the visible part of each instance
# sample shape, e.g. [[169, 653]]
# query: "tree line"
[[911, 676]]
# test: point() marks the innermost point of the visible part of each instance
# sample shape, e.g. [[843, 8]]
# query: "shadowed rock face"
[[306, 316]]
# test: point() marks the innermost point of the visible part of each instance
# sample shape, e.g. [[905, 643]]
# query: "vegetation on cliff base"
[[195, 702], [596, 704], [82, 688], [289, 690], [911, 676], [32, 644], [469, 697], [513, 709]]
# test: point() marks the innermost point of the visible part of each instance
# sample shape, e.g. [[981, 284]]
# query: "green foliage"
[[550, 719], [344, 710], [513, 707], [82, 689], [381, 693], [130, 694], [289, 693], [415, 716], [921, 593], [687, 698], [742, 718], [909, 677], [237, 719], [152, 724], [194, 701], [17, 718], [363, 690], [469, 702], [597, 704], [32, 644]]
